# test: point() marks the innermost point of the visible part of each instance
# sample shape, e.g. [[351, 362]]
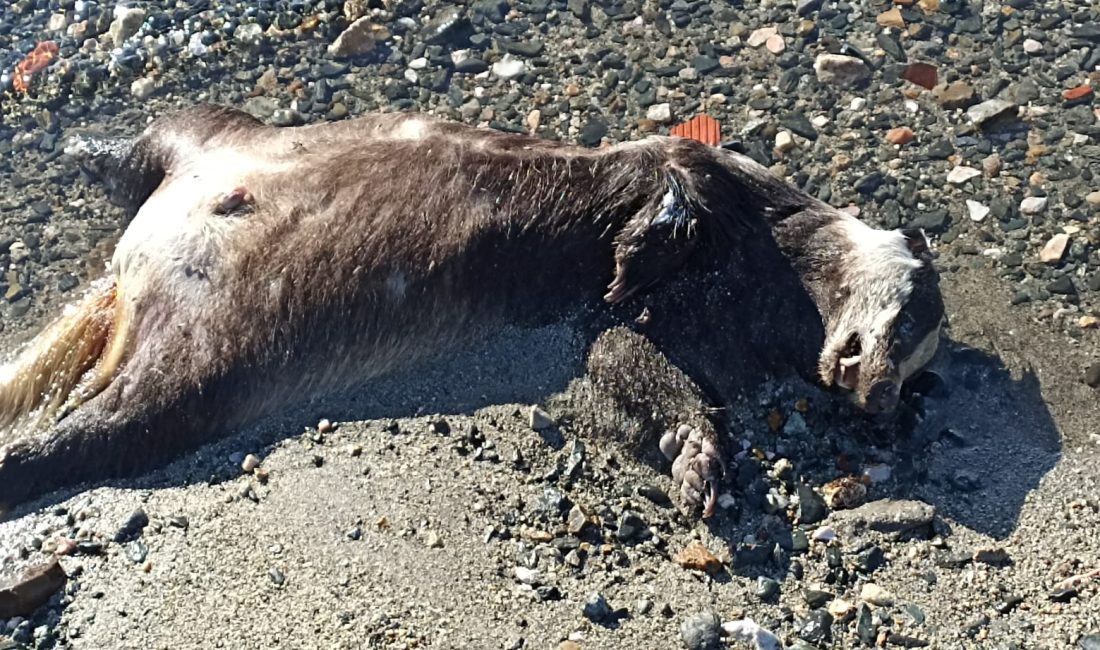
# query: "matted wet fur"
[[265, 266]]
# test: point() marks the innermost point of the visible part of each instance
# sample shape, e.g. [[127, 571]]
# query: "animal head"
[[883, 324]]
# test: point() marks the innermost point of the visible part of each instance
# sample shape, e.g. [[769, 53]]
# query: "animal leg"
[[634, 394]]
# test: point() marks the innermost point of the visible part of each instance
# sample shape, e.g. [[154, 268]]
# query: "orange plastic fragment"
[[1077, 94], [43, 54], [703, 128]]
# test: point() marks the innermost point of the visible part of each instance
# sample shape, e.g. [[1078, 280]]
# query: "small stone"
[[885, 516], [996, 556], [900, 135], [1033, 47], [841, 609], [844, 71], [766, 588], [775, 44], [357, 39], [508, 67], [132, 528], [922, 74], [277, 576], [325, 426], [876, 595], [630, 526], [811, 507], [989, 111], [748, 631], [30, 590], [817, 598], [1089, 642], [697, 557], [250, 463], [817, 628], [977, 211], [660, 113], [866, 628], [957, 94], [891, 18], [1093, 199], [1054, 249], [1033, 205], [760, 36], [1092, 375], [784, 141], [127, 22], [702, 632], [142, 88], [433, 540], [596, 608], [540, 419], [991, 165], [577, 520], [962, 174], [1088, 322]]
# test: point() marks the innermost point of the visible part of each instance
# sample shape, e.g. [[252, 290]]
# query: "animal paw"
[[697, 465]]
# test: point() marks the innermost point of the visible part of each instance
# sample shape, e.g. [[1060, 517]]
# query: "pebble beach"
[[460, 522]]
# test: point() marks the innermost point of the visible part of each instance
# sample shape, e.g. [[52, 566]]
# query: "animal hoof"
[[697, 466]]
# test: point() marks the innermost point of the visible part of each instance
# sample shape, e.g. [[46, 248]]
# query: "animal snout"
[[883, 397]]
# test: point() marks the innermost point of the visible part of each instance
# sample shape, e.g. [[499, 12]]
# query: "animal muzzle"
[[882, 397]]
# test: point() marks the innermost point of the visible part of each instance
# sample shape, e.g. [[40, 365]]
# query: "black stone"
[[471, 65], [866, 629], [766, 588], [1092, 375], [799, 124], [816, 598], [593, 132], [596, 608], [817, 628], [811, 507], [1062, 285], [133, 527]]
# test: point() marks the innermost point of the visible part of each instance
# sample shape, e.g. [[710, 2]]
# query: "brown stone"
[[26, 593], [891, 18], [922, 74], [957, 94], [697, 557], [900, 135]]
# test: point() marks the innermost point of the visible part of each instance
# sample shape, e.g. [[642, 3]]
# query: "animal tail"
[[71, 361]]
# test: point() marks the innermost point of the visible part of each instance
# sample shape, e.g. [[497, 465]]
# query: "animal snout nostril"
[[883, 397]]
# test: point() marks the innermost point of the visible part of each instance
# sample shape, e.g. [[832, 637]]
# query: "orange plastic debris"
[[703, 128], [1077, 94], [43, 54]]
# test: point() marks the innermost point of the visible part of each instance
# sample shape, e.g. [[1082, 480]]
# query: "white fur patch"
[[411, 129]]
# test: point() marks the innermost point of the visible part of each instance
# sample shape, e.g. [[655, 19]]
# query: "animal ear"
[[655, 242], [916, 241]]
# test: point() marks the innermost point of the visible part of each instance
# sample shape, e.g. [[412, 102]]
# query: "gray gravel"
[[435, 515]]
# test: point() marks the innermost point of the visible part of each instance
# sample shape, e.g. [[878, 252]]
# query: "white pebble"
[[250, 463], [962, 174], [142, 88], [1033, 204], [1032, 46], [977, 211], [876, 595], [508, 68], [823, 534], [784, 141], [661, 113]]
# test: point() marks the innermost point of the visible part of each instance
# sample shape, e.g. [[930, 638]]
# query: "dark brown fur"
[[356, 251]]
